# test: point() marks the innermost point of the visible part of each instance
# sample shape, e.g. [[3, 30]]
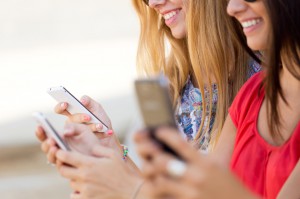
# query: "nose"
[[235, 6], [155, 3]]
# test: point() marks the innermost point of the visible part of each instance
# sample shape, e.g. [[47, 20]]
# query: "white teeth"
[[169, 15], [250, 23]]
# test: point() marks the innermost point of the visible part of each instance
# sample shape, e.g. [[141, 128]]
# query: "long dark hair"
[[284, 41]]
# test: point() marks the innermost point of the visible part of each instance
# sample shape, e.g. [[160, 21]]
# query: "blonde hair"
[[152, 57], [209, 52], [216, 57]]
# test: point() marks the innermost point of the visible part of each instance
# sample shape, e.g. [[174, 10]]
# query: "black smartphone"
[[155, 106]]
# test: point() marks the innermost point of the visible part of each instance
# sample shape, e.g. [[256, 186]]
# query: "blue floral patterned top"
[[189, 109]]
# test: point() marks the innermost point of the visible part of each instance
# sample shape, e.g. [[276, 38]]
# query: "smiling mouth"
[[170, 15], [250, 23]]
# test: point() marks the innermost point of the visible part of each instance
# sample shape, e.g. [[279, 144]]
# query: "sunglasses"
[[146, 2], [250, 1]]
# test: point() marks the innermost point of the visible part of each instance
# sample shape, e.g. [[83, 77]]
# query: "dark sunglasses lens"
[[250, 1], [146, 2]]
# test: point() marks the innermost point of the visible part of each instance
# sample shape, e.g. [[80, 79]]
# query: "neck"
[[290, 84]]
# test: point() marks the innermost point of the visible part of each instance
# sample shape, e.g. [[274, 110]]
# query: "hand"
[[203, 177], [48, 145], [91, 105], [81, 139], [104, 176]]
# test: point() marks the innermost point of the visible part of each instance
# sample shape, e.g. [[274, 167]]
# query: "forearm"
[[133, 166], [290, 188], [142, 192]]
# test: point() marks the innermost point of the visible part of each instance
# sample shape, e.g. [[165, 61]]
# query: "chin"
[[179, 33], [257, 44]]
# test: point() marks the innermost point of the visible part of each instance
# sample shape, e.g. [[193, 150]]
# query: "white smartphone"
[[61, 94], [50, 131]]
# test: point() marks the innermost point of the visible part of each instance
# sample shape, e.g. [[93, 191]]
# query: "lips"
[[170, 16], [250, 23]]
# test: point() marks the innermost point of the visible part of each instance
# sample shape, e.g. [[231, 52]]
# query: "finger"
[[79, 118], [96, 127], [51, 155], [75, 186], [71, 158], [141, 135], [148, 169], [192, 173], [147, 149], [40, 134], [96, 109], [45, 146], [102, 135], [174, 140], [75, 195], [160, 163], [73, 129], [61, 108], [58, 163], [85, 100], [89, 103], [51, 142], [68, 172]]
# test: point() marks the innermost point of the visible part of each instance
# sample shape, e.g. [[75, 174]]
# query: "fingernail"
[[83, 100], [99, 127], [109, 132], [86, 118], [63, 105]]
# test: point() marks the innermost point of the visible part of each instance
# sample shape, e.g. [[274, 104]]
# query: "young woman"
[[190, 75], [260, 138]]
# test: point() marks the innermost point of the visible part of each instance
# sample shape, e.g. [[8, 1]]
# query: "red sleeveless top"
[[262, 167]]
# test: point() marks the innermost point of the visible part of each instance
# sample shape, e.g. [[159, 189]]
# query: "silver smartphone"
[[61, 94], [155, 105], [50, 131]]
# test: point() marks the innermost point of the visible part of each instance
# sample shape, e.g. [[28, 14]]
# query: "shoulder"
[[252, 84], [249, 94]]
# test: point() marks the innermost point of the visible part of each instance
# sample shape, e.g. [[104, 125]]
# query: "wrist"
[[137, 191], [124, 152]]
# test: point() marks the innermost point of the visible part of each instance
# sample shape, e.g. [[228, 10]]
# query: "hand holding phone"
[[61, 94], [156, 106], [50, 131]]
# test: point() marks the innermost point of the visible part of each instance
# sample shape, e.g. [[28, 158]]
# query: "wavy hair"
[[211, 53], [216, 57], [159, 51]]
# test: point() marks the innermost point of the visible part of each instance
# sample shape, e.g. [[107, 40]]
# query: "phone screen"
[[155, 106]]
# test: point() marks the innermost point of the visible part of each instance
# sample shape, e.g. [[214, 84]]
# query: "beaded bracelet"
[[125, 152]]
